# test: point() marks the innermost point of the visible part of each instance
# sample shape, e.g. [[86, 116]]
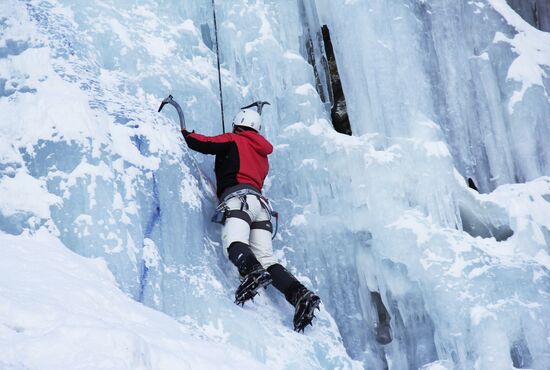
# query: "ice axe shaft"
[[170, 100]]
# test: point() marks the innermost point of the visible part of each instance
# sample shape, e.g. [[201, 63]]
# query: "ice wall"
[[430, 86], [86, 155], [475, 68], [344, 227], [535, 12]]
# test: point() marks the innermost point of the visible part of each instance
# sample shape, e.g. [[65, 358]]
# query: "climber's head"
[[247, 119]]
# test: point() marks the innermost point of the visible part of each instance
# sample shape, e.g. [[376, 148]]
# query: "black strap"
[[238, 214], [263, 225]]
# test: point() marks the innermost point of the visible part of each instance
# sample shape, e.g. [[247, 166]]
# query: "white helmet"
[[248, 118]]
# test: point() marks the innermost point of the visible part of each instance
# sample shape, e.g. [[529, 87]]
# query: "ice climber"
[[241, 167]]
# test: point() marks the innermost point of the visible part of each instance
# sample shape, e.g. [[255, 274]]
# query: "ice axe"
[[170, 100], [258, 104]]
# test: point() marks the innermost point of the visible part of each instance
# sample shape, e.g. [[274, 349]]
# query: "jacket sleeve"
[[207, 144]]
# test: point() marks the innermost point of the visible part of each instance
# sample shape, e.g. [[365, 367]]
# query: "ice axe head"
[[166, 100], [258, 104], [171, 101]]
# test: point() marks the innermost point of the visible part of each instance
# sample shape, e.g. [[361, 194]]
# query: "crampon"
[[250, 284], [305, 308]]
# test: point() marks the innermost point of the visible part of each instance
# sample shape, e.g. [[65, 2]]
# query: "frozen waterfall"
[[436, 92]]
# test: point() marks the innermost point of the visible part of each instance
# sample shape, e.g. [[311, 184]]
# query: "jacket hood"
[[258, 142]]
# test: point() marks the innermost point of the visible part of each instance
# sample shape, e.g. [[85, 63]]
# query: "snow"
[[150, 253], [298, 220], [437, 365], [305, 89], [533, 52], [479, 313], [438, 149], [292, 55], [62, 311], [29, 195], [107, 253]]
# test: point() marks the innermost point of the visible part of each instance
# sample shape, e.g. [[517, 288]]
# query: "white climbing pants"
[[250, 230]]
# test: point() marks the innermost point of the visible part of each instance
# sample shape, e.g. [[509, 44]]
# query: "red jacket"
[[241, 158]]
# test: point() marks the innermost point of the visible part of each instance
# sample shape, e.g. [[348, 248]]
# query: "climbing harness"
[[223, 212]]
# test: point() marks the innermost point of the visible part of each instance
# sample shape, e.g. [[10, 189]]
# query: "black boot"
[[303, 300], [253, 275]]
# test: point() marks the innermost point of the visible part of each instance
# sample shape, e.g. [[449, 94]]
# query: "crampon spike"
[[250, 284]]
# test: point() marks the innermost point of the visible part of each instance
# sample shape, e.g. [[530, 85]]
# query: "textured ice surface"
[[474, 67], [436, 90], [535, 12]]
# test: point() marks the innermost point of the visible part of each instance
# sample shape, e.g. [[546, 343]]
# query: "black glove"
[[184, 132]]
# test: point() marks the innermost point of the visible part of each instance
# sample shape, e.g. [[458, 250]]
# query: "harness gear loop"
[[244, 204], [276, 215]]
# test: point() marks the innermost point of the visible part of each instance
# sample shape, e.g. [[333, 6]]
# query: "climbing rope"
[[218, 62]]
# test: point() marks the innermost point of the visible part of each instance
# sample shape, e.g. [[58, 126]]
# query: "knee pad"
[[242, 257]]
